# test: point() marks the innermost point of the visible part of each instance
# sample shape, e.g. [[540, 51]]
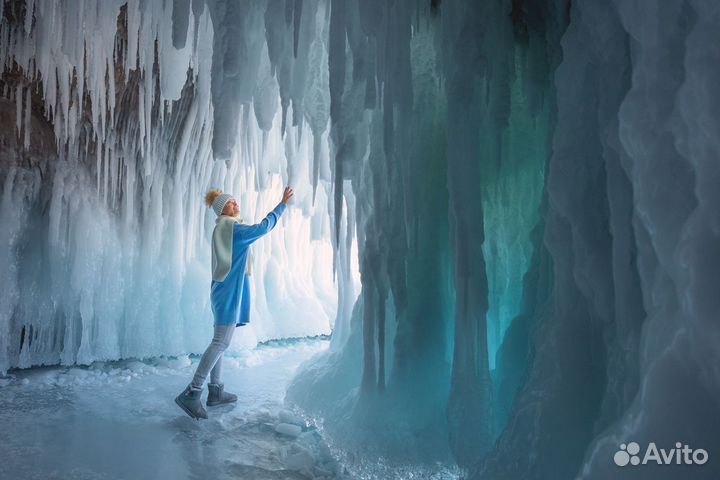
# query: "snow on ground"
[[118, 420]]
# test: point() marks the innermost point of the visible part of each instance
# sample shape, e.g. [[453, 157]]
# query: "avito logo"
[[680, 455]]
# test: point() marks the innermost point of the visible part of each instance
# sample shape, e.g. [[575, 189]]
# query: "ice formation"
[[123, 114], [569, 310], [527, 187]]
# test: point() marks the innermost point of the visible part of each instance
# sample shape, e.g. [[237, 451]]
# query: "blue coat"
[[230, 299]]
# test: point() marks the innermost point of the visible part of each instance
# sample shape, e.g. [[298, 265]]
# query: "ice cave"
[[499, 258]]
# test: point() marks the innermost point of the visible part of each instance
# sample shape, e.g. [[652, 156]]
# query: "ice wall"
[[626, 233], [442, 116], [563, 303], [116, 118]]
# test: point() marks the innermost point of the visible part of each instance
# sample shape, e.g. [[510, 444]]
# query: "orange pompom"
[[211, 195]]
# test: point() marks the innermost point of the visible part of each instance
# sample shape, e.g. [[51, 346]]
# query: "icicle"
[[285, 103], [317, 138], [98, 169], [106, 172], [336, 62], [29, 10], [336, 57], [180, 22], [18, 109], [297, 14], [28, 117]]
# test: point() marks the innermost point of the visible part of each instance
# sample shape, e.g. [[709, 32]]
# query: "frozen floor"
[[118, 420]]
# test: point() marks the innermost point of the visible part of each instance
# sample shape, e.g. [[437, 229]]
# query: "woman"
[[229, 294]]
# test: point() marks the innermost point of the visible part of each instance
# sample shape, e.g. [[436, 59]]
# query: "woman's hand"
[[287, 194]]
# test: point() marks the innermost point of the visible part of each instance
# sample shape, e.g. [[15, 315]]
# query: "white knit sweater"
[[222, 243]]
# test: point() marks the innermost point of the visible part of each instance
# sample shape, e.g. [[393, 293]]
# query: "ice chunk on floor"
[[286, 416], [288, 429]]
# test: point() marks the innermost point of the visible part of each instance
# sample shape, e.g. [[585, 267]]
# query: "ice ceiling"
[[527, 188]]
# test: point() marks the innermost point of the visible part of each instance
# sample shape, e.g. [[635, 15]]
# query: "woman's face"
[[231, 208]]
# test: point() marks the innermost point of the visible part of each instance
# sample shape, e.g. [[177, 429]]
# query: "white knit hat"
[[218, 204]]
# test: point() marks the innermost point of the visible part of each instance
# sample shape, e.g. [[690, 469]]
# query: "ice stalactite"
[[240, 36], [513, 190], [117, 107], [429, 96], [575, 322], [470, 395], [387, 133], [336, 83], [359, 69]]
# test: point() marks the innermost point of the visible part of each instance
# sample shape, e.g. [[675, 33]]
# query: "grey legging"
[[212, 358]]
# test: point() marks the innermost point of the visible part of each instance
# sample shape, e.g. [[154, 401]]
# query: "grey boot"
[[217, 395], [189, 401]]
